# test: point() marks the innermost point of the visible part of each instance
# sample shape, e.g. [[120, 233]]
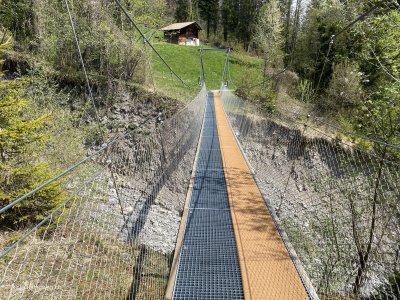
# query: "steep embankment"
[[329, 197]]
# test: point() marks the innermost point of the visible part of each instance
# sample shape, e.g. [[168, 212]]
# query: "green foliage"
[[229, 20], [344, 89], [186, 11], [107, 49], [305, 90], [18, 17], [268, 34], [321, 22], [378, 52], [379, 116], [209, 12], [239, 19], [359, 79], [182, 11], [110, 48], [263, 95], [21, 140], [17, 180], [188, 67]]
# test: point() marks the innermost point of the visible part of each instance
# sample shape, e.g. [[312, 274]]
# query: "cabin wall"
[[179, 37], [171, 37]]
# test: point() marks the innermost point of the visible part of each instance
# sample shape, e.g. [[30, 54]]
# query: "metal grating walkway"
[[209, 265]]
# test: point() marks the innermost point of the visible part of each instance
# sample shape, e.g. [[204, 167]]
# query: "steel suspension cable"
[[145, 38], [92, 98], [84, 68], [224, 73]]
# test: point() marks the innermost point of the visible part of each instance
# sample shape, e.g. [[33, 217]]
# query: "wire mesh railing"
[[337, 204], [114, 233]]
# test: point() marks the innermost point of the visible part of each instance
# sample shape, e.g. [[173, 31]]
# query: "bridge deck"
[[231, 248]]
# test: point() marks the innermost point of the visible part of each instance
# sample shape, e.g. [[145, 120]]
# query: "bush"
[[345, 88], [262, 95], [21, 140], [305, 91]]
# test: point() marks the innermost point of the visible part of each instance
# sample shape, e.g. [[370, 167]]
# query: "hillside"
[[188, 65]]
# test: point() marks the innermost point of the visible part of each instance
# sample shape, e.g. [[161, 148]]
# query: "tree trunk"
[[225, 33], [296, 25], [287, 25], [208, 28], [2, 154], [364, 256]]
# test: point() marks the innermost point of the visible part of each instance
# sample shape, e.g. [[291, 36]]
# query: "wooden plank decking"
[[266, 267]]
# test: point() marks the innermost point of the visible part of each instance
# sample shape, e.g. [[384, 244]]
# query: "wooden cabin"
[[186, 33]]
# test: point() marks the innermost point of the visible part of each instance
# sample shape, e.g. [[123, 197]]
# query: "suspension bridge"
[[221, 201]]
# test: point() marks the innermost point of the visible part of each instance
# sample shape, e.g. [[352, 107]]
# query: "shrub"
[[21, 140], [305, 91], [345, 88], [263, 95]]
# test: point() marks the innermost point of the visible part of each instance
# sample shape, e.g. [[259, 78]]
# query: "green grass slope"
[[185, 61]]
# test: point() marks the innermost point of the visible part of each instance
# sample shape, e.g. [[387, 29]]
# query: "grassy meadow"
[[185, 61]]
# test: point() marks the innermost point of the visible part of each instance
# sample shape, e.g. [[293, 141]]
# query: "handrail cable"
[[73, 167], [76, 165], [202, 73], [226, 66], [48, 217]]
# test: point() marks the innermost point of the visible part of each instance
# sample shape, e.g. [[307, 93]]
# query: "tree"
[[379, 59], [287, 5], [229, 15], [344, 90], [247, 15], [295, 29], [375, 46], [182, 10], [21, 138], [186, 10], [268, 34], [312, 58], [209, 12], [19, 17]]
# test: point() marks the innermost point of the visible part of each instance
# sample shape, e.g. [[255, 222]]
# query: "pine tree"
[[209, 12], [230, 18], [247, 15], [182, 10], [21, 138]]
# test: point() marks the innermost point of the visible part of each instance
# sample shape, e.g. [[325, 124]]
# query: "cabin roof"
[[179, 26]]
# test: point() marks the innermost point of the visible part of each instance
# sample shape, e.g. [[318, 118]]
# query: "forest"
[[345, 53], [338, 60]]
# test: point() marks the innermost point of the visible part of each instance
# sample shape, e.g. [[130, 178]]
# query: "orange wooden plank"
[[266, 268]]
